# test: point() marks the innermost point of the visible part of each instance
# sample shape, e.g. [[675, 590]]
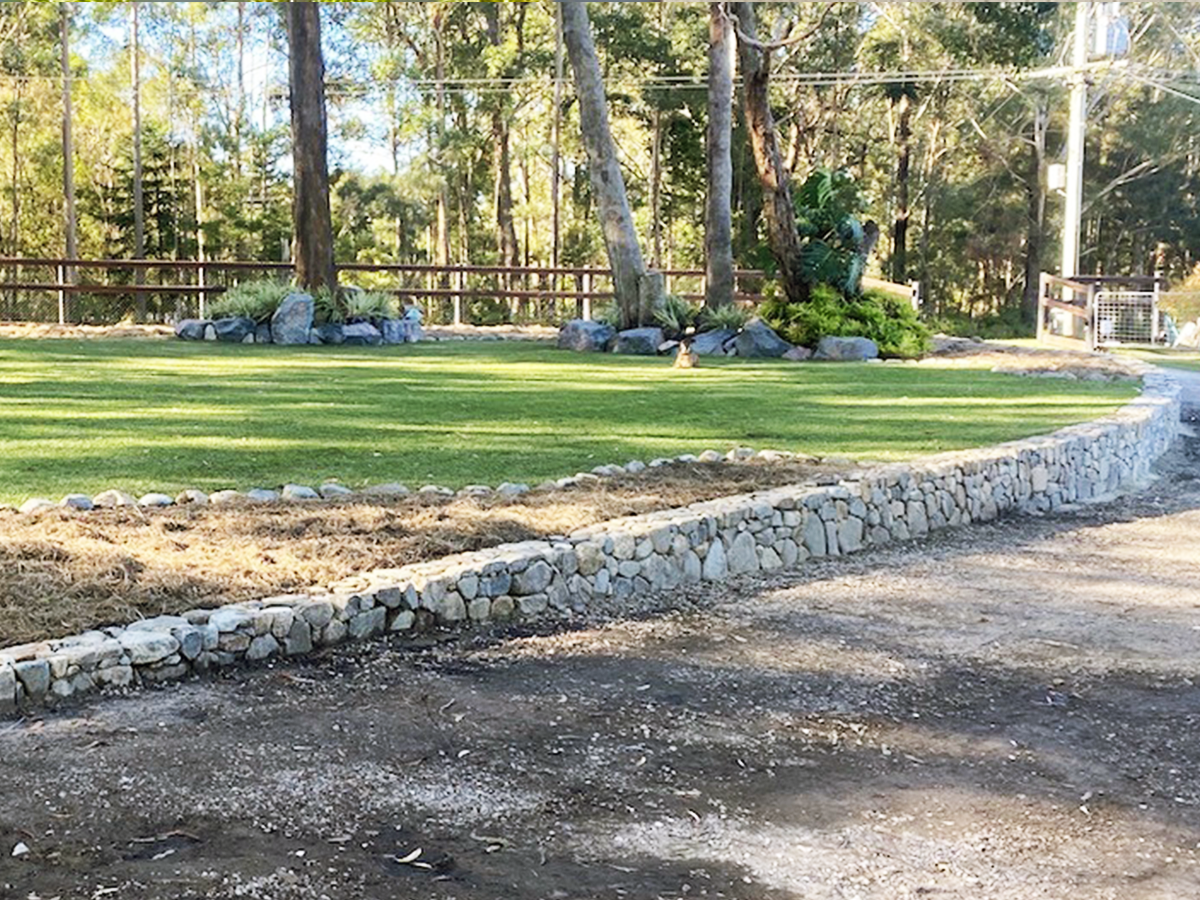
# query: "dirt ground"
[[1007, 712]]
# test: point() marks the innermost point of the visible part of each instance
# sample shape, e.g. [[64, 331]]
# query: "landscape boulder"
[[587, 337], [361, 334], [846, 349], [191, 329], [640, 341], [712, 343], [392, 331], [234, 330], [292, 320], [758, 340], [262, 334], [328, 333]]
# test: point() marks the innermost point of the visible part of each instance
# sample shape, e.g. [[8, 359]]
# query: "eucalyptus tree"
[[718, 210], [634, 300], [312, 223]]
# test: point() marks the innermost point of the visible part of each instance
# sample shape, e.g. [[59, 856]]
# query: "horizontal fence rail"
[[107, 291]]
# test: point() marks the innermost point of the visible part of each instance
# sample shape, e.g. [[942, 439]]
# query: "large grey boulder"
[[712, 343], [292, 320], [191, 329], [640, 341], [846, 349], [234, 330], [361, 334], [587, 337], [758, 340]]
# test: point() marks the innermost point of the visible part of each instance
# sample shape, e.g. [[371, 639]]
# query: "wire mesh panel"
[[1125, 317]]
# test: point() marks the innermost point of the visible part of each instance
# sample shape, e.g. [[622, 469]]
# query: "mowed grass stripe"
[[89, 415]]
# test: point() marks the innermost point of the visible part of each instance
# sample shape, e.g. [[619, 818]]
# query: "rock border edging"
[[613, 561]]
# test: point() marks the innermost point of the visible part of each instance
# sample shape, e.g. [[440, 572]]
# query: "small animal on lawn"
[[686, 357]]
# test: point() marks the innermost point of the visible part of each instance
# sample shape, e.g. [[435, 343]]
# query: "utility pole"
[[1077, 131]]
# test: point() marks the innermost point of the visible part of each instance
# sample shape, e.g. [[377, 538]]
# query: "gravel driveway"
[[1011, 711]]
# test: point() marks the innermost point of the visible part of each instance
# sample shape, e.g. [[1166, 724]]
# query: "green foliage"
[[352, 306], [834, 243], [255, 300], [730, 318], [326, 308], [675, 316], [488, 311], [368, 306], [888, 321], [1003, 324], [607, 314]]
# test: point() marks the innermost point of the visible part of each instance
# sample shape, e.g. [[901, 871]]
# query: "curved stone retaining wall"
[[615, 560]]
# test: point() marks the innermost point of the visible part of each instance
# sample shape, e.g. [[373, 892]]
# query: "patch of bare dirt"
[[1017, 360], [89, 332]]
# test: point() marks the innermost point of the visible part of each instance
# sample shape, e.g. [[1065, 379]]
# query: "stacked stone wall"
[[618, 560]]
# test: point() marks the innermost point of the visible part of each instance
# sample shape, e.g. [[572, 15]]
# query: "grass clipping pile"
[[62, 572]]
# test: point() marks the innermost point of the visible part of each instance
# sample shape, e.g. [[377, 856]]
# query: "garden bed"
[[63, 571]]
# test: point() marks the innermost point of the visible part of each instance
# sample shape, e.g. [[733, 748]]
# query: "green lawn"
[[140, 415], [1170, 357]]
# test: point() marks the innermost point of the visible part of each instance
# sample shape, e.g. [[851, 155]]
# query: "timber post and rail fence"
[[61, 291]]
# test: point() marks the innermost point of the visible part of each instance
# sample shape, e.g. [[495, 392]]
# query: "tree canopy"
[[451, 142]]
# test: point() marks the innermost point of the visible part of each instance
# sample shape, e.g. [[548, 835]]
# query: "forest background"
[[455, 136]]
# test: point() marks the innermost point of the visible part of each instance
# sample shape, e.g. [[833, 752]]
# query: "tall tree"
[[312, 223], [718, 215], [779, 211], [68, 145], [635, 300]]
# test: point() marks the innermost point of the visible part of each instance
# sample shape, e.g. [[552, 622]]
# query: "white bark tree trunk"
[[616, 221], [718, 216]]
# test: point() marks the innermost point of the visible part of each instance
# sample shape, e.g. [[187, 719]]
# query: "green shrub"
[[607, 314], [326, 308], [675, 316], [889, 321], [1004, 324], [723, 318], [255, 300], [365, 306], [488, 311]]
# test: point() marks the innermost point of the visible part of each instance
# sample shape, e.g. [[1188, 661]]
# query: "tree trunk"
[[555, 148], [442, 242], [311, 220], [903, 163], [656, 176], [778, 210], [68, 144], [1035, 188], [616, 220], [718, 215], [139, 200], [506, 232]]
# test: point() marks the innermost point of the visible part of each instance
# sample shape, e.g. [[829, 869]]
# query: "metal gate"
[[1126, 317]]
